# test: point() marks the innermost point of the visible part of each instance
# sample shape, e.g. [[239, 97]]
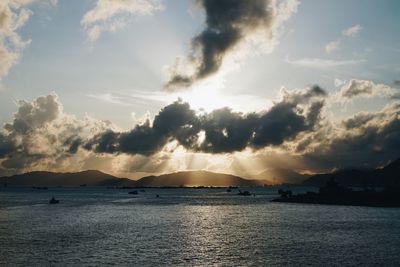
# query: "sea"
[[98, 226]]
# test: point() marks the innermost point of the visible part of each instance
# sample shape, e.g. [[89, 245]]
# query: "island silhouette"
[[389, 176], [98, 178]]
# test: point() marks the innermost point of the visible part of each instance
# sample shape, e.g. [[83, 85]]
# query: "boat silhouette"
[[244, 193], [54, 201]]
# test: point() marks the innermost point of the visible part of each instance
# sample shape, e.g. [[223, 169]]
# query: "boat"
[[54, 201], [40, 187], [134, 192], [244, 193]]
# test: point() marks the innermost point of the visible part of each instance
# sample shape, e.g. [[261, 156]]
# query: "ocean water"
[[189, 227]]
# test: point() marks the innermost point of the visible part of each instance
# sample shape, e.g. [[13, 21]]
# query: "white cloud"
[[111, 15], [110, 98], [352, 31], [364, 88], [332, 46], [14, 14], [339, 82], [322, 63], [347, 33]]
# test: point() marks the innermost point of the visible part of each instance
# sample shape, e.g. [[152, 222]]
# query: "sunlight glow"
[[209, 99]]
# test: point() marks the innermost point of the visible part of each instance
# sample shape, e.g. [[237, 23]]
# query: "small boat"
[[244, 193], [134, 192], [228, 190], [40, 187], [54, 201]]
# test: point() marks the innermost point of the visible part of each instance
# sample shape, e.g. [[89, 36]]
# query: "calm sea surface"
[[189, 227]]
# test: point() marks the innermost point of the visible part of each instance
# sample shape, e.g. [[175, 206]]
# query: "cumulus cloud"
[[7, 146], [297, 129], [42, 136], [111, 15], [364, 88], [223, 130], [229, 24], [347, 33], [175, 121], [367, 139]]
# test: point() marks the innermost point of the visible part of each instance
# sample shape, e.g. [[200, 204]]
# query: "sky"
[[252, 88]]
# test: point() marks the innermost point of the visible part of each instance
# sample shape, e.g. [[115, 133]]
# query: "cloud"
[[367, 139], [175, 121], [111, 98], [32, 115], [347, 33], [224, 131], [338, 82], [111, 15], [297, 130], [352, 31], [14, 14], [7, 146], [41, 136], [364, 88], [332, 46], [229, 25], [320, 63]]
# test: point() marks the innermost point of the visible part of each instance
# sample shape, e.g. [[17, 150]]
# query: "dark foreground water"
[[189, 227]]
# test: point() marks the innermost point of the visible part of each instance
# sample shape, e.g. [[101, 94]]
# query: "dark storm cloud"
[[368, 139], [103, 142], [286, 119], [42, 137], [176, 121], [228, 22], [227, 131], [32, 115], [16, 145], [7, 146], [282, 123], [224, 130]]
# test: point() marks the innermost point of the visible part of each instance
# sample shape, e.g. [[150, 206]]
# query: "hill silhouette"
[[281, 176], [89, 177], [98, 178], [387, 176], [195, 178]]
